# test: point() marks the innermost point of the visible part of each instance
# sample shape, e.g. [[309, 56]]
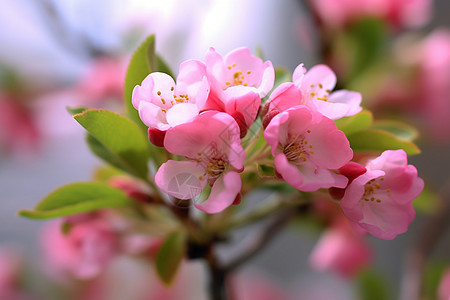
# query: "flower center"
[[317, 91], [298, 149], [181, 98], [239, 78], [214, 163], [372, 189], [215, 168]]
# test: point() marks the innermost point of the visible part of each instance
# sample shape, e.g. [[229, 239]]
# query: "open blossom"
[[212, 145], [380, 199], [82, 252], [162, 103], [341, 249], [306, 147], [238, 82], [314, 89], [317, 85]]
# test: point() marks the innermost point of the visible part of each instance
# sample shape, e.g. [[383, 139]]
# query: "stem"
[[217, 284], [271, 206], [263, 238], [412, 284]]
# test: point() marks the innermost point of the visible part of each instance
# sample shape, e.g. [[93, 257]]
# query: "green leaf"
[[372, 286], [170, 256], [140, 66], [399, 129], [75, 110], [368, 37], [116, 140], [376, 140], [162, 66], [428, 201], [77, 198], [355, 123]]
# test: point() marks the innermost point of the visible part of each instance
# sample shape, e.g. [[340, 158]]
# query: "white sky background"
[[184, 29]]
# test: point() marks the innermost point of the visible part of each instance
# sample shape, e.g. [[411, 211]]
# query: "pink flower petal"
[[223, 193], [209, 131], [319, 74], [298, 74], [181, 179], [152, 116], [181, 113]]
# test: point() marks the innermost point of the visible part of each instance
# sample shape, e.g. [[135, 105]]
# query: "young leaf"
[[75, 110], [169, 256], [116, 140], [399, 129], [355, 123], [376, 140], [140, 66], [77, 198]]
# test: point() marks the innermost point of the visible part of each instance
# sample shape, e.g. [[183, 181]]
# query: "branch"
[[264, 237]]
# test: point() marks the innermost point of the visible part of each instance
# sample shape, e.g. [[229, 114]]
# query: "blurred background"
[[62, 53]]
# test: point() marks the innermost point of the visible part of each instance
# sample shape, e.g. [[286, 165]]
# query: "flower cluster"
[[206, 114]]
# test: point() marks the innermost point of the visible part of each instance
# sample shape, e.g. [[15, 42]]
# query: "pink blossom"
[[341, 249], [306, 146], [444, 286], [255, 285], [82, 252], [434, 74], [238, 82], [316, 86], [103, 78], [10, 265], [18, 129], [212, 146], [162, 103], [380, 199], [404, 13]]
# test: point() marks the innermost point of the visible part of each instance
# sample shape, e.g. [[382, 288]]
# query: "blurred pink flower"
[[84, 251], [212, 145], [10, 268], [104, 78], [238, 82], [399, 13], [18, 130], [162, 103], [341, 249], [255, 286], [306, 146], [444, 286], [434, 64], [380, 199]]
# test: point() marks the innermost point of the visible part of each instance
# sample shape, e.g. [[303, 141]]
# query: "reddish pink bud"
[[156, 136], [352, 170], [240, 120], [131, 188], [269, 116], [237, 200]]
